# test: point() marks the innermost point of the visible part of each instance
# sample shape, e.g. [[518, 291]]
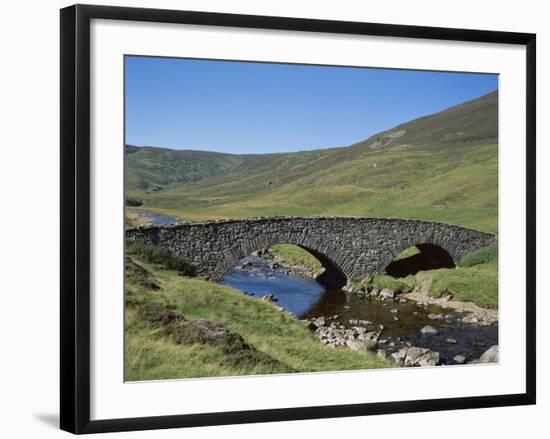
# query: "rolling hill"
[[150, 168], [441, 167]]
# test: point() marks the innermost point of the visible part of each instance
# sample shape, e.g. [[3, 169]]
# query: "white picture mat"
[[112, 398]]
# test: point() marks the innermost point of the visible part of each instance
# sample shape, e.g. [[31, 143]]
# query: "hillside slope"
[[442, 167], [150, 168], [473, 121]]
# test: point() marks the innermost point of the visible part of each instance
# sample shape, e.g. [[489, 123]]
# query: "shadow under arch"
[[430, 256], [332, 278]]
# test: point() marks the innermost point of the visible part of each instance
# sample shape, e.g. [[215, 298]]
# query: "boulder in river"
[[435, 316], [269, 298], [460, 359], [414, 356], [451, 318], [361, 345], [311, 325], [429, 330], [381, 353], [368, 336], [447, 295], [319, 321], [490, 355], [386, 294], [360, 322]]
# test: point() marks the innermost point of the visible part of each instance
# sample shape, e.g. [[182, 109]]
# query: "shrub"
[[159, 255], [481, 256], [134, 202]]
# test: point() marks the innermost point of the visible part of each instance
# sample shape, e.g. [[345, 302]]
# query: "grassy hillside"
[[442, 167], [150, 169], [164, 310]]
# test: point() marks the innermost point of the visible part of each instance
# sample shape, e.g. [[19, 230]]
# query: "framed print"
[[274, 218]]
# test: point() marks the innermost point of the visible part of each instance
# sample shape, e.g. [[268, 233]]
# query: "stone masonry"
[[350, 247]]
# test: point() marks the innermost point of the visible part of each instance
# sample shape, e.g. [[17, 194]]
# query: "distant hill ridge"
[[474, 120], [471, 121]]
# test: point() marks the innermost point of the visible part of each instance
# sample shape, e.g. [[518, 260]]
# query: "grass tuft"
[[481, 256], [401, 285]]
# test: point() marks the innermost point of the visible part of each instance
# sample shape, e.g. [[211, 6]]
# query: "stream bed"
[[402, 320]]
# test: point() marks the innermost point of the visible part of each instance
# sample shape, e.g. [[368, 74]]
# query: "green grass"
[[149, 170], [483, 255], [159, 255], [407, 253], [477, 284], [381, 281], [285, 341], [130, 219], [474, 280], [295, 255]]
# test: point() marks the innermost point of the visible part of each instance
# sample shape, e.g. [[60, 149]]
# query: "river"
[[154, 218], [402, 320]]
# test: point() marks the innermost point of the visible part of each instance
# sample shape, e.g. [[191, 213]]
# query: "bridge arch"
[[428, 257], [444, 247], [333, 277]]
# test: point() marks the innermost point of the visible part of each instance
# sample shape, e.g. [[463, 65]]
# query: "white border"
[[111, 398]]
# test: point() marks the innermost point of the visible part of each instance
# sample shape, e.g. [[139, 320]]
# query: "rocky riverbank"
[[448, 321], [419, 293], [364, 335], [402, 324], [473, 313]]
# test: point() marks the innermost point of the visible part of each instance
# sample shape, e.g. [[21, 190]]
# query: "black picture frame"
[[75, 217]]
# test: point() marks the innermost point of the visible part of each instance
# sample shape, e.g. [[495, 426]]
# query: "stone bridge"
[[348, 247]]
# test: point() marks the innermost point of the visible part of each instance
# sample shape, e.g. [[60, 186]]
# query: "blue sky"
[[244, 107]]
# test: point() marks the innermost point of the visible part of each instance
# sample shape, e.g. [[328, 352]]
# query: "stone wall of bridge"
[[350, 247]]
